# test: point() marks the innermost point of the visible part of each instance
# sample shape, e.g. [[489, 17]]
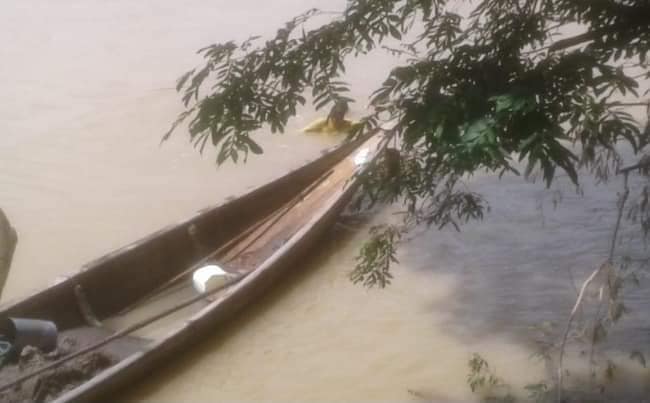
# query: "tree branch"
[[641, 103], [572, 41], [643, 163], [590, 279], [581, 295]]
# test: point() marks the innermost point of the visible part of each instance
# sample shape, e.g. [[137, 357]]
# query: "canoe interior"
[[122, 277]]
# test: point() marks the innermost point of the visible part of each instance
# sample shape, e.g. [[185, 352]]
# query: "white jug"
[[209, 277]]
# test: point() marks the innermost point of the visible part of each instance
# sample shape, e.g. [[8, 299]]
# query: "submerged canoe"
[[258, 237]]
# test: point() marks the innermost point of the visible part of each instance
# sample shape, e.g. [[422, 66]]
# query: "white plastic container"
[[209, 277], [361, 157]]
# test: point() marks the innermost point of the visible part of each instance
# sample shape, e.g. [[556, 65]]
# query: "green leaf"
[[502, 102], [395, 32], [478, 131], [180, 119], [524, 146], [252, 145], [183, 79]]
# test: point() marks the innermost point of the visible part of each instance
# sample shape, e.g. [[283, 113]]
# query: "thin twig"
[[644, 74], [643, 260], [592, 348], [643, 163], [568, 328], [642, 103], [588, 281], [572, 41], [626, 193]]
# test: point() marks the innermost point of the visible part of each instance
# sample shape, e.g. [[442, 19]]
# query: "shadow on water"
[[521, 267]]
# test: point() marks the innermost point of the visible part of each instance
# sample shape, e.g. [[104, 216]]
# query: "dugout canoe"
[[258, 236]]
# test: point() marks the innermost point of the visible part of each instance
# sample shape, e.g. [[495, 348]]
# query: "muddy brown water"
[[87, 93]]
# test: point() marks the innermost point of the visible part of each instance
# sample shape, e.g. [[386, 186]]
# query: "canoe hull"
[[161, 256], [212, 316]]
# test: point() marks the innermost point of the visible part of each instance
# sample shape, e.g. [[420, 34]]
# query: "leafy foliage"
[[376, 256], [480, 375], [480, 90], [538, 392], [481, 379]]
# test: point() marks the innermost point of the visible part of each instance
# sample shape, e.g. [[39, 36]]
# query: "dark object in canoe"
[[22, 332], [259, 235]]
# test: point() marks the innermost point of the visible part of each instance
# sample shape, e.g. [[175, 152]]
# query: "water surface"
[[86, 95]]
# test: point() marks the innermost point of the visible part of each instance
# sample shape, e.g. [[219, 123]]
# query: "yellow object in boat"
[[327, 126]]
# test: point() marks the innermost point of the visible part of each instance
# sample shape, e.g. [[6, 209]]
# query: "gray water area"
[[521, 265]]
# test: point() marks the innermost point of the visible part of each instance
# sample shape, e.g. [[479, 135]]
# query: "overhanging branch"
[[643, 163], [573, 41]]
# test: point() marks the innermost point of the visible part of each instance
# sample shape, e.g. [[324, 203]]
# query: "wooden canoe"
[[259, 235]]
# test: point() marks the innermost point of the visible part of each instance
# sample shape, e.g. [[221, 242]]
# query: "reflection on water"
[[86, 96]]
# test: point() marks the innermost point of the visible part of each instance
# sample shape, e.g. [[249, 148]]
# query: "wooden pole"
[[8, 241]]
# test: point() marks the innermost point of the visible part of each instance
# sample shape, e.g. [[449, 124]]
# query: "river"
[[87, 91]]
